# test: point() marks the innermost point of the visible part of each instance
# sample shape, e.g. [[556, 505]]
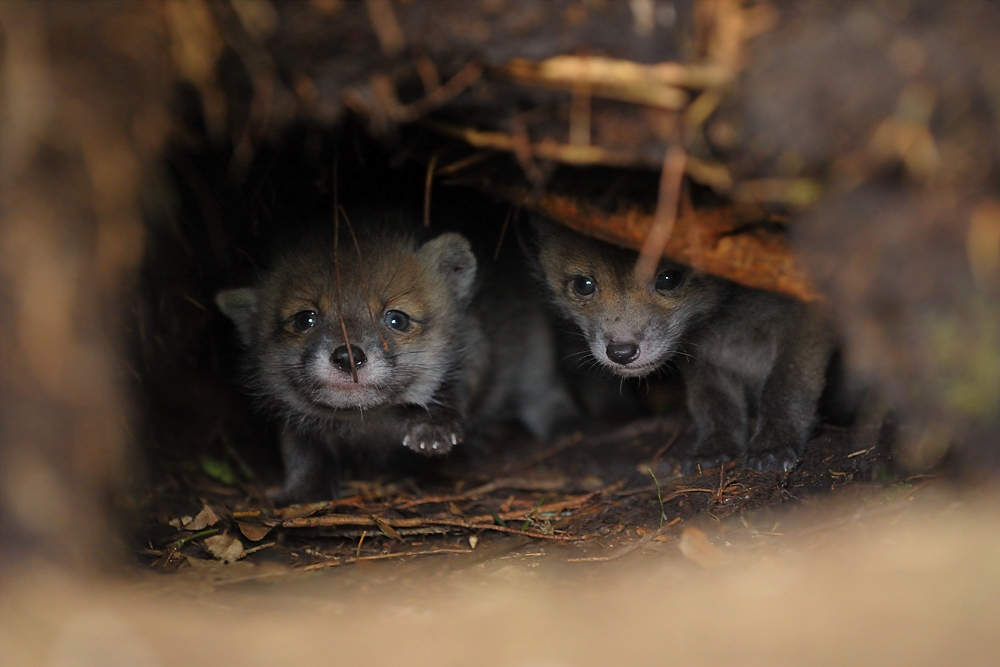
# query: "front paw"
[[433, 438], [782, 459]]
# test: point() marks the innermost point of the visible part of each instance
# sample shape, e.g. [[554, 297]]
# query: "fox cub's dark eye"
[[584, 286], [305, 320], [396, 320], [669, 280]]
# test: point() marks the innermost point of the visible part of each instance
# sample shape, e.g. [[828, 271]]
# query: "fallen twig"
[[177, 544], [477, 523], [665, 216], [514, 483], [355, 559], [568, 71], [546, 149], [255, 549], [652, 487]]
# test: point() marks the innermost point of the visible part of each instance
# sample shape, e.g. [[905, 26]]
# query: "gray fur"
[[524, 382], [451, 254], [754, 363], [421, 391], [240, 306], [414, 391]]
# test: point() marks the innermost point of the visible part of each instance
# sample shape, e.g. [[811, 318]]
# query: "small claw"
[[423, 446], [434, 446], [406, 440], [454, 440]]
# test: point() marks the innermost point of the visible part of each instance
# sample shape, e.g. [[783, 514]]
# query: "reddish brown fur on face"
[[394, 308], [371, 344], [621, 310], [393, 278]]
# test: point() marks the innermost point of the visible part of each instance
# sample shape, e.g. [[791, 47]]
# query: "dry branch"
[[710, 240], [659, 85], [353, 520], [481, 522], [546, 149]]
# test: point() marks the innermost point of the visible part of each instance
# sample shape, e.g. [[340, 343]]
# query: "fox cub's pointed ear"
[[452, 255], [239, 305]]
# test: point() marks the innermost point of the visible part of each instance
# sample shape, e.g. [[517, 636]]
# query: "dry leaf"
[[388, 530], [253, 532], [453, 509], [300, 511], [694, 544], [224, 547], [206, 517]]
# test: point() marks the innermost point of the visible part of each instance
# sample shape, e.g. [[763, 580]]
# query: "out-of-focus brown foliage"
[[869, 131], [895, 108], [85, 94]]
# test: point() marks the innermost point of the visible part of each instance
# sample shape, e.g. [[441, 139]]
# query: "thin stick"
[[659, 495], [427, 72], [674, 494], [177, 544], [357, 554], [451, 89], [386, 26], [364, 283], [335, 563], [405, 532], [579, 115], [464, 163], [545, 149], [320, 522], [503, 231], [574, 502], [524, 154], [353, 501], [526, 533], [336, 270], [428, 186], [410, 553], [253, 550], [665, 216]]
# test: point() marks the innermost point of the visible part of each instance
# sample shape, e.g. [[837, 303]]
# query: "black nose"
[[623, 353], [342, 359]]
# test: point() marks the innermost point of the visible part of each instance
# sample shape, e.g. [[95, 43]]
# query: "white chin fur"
[[337, 389], [632, 370], [359, 398]]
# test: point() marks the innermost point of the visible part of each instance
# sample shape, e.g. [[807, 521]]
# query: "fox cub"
[[753, 363]]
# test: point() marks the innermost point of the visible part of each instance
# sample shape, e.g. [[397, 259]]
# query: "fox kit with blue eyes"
[[371, 345], [754, 363]]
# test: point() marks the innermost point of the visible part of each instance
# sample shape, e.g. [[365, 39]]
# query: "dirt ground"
[[886, 573], [592, 497], [591, 550]]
